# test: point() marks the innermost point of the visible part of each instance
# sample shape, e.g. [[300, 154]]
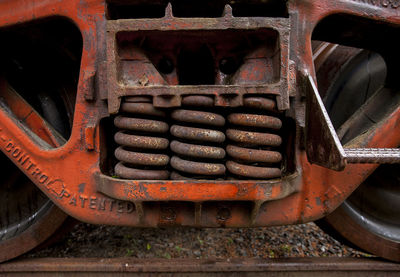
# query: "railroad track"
[[192, 267]]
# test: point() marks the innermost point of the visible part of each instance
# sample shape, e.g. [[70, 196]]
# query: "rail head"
[[135, 267]]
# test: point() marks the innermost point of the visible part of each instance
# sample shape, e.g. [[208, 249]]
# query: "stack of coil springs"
[[198, 136], [143, 145], [201, 143], [252, 143]]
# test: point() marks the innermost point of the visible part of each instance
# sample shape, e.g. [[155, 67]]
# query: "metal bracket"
[[322, 142]]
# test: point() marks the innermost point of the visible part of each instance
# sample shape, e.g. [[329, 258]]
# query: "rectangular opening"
[[236, 57]]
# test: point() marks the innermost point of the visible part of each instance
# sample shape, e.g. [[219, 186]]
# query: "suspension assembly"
[[197, 143], [196, 108], [207, 105], [194, 113]]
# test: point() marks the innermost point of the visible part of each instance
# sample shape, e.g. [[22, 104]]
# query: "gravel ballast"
[[304, 240]]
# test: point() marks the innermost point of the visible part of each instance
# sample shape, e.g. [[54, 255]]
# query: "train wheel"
[[369, 219], [30, 223]]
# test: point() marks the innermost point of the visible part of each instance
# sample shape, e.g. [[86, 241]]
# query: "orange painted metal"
[[70, 175]]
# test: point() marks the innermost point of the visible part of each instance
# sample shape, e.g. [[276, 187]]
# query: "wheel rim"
[[16, 190], [376, 204], [45, 224]]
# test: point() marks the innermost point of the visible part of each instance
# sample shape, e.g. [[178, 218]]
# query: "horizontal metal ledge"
[[196, 190], [279, 24], [170, 96], [273, 89], [372, 155]]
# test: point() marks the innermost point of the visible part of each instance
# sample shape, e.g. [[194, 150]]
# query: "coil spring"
[[195, 147], [140, 138], [252, 153]]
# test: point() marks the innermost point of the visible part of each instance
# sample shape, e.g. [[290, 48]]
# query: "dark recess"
[[41, 61], [365, 34], [123, 9]]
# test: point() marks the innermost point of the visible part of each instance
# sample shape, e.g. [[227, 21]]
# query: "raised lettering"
[[36, 172], [92, 202], [65, 193], [99, 203], [83, 199], [43, 179], [16, 152], [56, 187], [23, 158], [120, 208], [30, 166], [129, 207], [102, 204], [112, 205], [72, 201], [9, 147]]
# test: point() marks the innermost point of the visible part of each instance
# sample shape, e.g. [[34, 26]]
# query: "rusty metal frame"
[[171, 23], [69, 174]]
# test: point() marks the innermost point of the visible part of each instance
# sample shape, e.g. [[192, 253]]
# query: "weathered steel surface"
[[141, 142], [198, 117], [197, 151], [197, 168], [131, 133], [71, 176], [192, 149], [255, 154], [137, 158], [197, 134], [196, 190], [255, 120], [255, 172], [252, 77], [254, 138], [198, 100], [322, 142], [195, 267], [373, 155]]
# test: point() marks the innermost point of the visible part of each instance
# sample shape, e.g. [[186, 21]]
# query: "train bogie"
[[206, 114]]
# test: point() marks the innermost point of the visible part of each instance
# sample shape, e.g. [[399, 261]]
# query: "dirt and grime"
[[304, 240]]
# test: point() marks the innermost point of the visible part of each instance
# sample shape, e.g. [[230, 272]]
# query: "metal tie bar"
[[372, 155]]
